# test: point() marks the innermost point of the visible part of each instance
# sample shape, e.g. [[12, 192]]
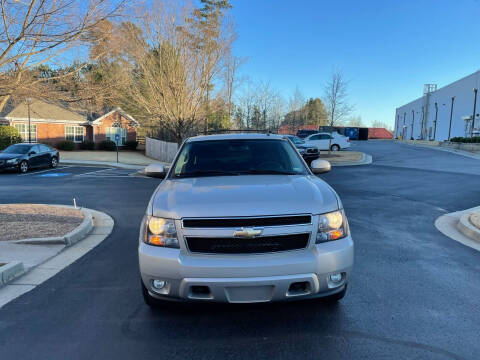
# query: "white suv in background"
[[322, 141]]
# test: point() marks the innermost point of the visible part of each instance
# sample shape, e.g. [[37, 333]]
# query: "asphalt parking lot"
[[415, 293]]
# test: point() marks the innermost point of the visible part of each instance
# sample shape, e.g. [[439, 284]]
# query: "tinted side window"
[[324, 136], [316, 137], [44, 148], [35, 148]]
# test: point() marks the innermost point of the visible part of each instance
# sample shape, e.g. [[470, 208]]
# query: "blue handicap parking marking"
[[54, 174]]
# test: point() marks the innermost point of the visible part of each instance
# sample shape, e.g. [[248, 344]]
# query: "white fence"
[[160, 150]]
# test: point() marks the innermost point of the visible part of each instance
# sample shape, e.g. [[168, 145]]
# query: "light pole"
[[435, 122], [29, 127], [451, 113], [475, 90], [413, 122]]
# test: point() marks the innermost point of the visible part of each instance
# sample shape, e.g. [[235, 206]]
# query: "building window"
[[74, 133], [110, 133], [23, 130]]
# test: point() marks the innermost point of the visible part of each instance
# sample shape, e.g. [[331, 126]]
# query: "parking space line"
[[93, 172], [43, 171]]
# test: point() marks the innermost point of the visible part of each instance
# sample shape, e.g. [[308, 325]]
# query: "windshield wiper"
[[269, 172], [199, 173]]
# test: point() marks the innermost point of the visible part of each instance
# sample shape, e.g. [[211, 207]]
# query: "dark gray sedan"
[[308, 152], [25, 156]]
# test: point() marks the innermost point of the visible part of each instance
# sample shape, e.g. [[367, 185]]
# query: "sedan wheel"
[[23, 167], [335, 147], [54, 162]]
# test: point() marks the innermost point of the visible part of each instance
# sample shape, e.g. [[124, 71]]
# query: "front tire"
[[335, 147], [23, 167], [53, 162]]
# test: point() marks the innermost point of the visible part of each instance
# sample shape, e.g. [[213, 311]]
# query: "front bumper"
[[247, 278], [5, 166]]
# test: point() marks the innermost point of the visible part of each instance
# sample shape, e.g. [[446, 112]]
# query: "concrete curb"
[[365, 160], [457, 227], [80, 232], [467, 228], [10, 271], [102, 163], [102, 228]]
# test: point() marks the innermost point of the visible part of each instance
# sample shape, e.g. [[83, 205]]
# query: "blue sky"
[[388, 49]]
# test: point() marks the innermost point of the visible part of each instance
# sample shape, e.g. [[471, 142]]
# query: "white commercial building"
[[441, 114]]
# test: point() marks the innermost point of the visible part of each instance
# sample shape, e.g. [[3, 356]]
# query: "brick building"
[[51, 123]]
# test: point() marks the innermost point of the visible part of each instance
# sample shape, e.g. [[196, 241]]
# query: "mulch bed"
[[22, 221]]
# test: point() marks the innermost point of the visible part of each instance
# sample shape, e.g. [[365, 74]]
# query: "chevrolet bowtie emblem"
[[247, 232]]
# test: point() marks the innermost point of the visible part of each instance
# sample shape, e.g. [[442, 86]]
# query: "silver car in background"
[[242, 219]]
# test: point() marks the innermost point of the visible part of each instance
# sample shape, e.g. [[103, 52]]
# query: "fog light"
[[336, 278], [158, 284]]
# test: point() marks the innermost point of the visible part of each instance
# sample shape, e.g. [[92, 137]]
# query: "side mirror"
[[31, 153], [156, 170], [320, 166]]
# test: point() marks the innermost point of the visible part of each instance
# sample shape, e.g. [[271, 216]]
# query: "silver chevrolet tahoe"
[[241, 218]]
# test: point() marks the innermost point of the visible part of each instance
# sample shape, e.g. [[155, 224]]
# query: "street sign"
[[117, 137]]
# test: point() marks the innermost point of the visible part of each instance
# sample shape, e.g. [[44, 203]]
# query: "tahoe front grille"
[[263, 244], [240, 222]]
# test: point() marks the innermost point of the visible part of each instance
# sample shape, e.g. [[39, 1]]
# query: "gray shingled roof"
[[43, 110]]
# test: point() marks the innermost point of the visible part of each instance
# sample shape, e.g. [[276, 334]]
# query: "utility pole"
[[29, 127], [435, 122], [451, 113], [475, 90]]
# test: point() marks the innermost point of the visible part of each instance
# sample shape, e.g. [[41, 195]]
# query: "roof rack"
[[234, 131]]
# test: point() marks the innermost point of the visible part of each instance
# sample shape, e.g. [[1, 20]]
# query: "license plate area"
[[248, 294]]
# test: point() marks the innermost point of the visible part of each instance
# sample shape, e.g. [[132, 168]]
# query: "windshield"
[[17, 149], [296, 140], [238, 157]]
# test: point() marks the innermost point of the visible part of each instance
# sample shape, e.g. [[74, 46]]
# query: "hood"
[[252, 195], [4, 156]]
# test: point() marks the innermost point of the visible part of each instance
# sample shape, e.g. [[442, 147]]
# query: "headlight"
[[332, 226], [161, 232], [12, 161]]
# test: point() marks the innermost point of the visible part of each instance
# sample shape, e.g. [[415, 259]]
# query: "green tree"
[[8, 136]]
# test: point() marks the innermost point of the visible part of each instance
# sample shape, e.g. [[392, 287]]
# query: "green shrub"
[[66, 145], [107, 145], [8, 136], [131, 145], [475, 139], [87, 145]]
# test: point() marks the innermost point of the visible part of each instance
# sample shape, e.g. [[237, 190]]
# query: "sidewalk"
[[126, 159], [435, 145]]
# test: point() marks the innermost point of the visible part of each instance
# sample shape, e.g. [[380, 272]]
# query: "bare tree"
[[295, 104], [176, 52], [336, 100], [355, 121], [231, 79], [36, 32]]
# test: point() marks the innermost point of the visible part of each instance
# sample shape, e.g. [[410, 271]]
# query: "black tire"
[[335, 147], [54, 162], [23, 167], [149, 300], [336, 297]]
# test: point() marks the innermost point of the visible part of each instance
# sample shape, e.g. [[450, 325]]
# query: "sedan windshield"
[[17, 149], [296, 140], [238, 157]]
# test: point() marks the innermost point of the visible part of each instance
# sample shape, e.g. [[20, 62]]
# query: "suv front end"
[[244, 238]]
